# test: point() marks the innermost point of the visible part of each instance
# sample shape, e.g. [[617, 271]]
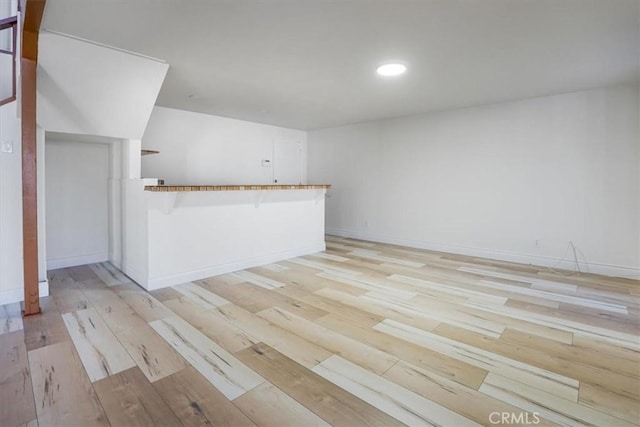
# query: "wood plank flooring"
[[364, 334]]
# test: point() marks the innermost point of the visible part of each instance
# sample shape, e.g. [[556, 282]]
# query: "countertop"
[[173, 188]]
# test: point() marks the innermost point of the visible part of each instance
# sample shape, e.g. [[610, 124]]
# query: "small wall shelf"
[[145, 152]]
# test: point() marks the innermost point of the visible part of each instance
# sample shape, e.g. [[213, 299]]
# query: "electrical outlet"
[[7, 147]]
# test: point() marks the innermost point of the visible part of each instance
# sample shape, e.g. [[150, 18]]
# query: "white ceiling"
[[310, 64]]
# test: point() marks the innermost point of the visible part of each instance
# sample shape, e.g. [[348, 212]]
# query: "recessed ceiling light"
[[391, 69]]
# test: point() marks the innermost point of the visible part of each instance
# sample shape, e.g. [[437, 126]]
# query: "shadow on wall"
[[55, 94]]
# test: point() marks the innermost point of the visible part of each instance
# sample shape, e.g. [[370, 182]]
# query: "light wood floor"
[[364, 334]]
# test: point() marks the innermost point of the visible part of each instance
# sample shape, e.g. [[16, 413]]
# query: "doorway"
[[76, 202]]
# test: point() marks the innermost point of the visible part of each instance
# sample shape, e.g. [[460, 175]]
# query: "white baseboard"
[[586, 267], [137, 276], [54, 264], [175, 279], [43, 288], [17, 295], [115, 260]]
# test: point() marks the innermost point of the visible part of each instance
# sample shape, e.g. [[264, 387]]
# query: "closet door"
[[76, 203]]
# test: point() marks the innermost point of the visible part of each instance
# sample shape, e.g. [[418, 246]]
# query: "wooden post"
[[29, 188], [33, 11]]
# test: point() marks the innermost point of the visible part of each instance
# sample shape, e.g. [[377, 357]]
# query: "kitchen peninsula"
[[178, 234]]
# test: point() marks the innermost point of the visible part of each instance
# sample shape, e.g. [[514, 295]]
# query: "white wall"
[[492, 180], [77, 203], [134, 239], [203, 149], [115, 202], [10, 206], [95, 89]]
